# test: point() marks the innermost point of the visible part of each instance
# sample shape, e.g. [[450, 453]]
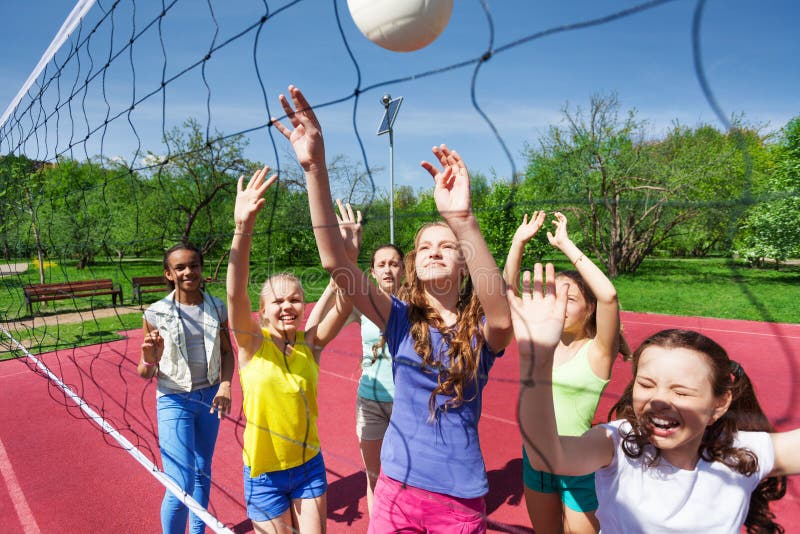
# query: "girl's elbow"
[[609, 298], [540, 463], [329, 263]]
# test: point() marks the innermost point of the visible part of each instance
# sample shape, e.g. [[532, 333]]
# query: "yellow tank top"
[[280, 403]]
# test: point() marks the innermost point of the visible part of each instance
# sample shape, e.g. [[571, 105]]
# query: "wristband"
[[579, 259], [146, 363]]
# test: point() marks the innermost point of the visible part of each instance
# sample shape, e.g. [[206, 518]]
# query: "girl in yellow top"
[[284, 473]]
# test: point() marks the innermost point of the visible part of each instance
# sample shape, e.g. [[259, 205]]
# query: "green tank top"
[[576, 393], [280, 403]]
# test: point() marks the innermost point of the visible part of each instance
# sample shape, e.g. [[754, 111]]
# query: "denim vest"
[[173, 369]]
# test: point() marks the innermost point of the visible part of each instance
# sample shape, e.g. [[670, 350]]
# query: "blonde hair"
[[463, 355], [266, 290]]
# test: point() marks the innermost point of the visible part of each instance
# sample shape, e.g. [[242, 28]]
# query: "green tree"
[[721, 170], [14, 220], [772, 228], [628, 194], [76, 211], [193, 174]]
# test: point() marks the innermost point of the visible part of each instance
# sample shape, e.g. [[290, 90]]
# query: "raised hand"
[[350, 228], [306, 137], [250, 199], [528, 229], [538, 314], [451, 190], [559, 239], [152, 347]]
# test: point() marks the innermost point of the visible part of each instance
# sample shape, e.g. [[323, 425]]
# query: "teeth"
[[662, 422]]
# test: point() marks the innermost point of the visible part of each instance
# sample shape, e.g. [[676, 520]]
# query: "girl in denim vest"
[[188, 349]]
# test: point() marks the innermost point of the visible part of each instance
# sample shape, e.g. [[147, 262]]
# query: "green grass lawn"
[[66, 336], [101, 330], [712, 288], [692, 287]]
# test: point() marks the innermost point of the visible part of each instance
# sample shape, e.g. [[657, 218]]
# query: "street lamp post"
[[391, 107]]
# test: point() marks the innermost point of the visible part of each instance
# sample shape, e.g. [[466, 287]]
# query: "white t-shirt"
[[711, 499]]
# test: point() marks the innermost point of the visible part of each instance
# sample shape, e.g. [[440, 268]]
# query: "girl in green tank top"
[[582, 366]]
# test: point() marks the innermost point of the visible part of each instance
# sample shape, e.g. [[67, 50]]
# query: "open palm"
[[306, 136], [250, 199], [537, 316], [451, 190]]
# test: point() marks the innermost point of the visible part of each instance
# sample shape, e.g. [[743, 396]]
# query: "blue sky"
[[749, 49]]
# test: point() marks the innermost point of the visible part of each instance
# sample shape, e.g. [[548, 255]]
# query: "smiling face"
[[673, 398], [184, 268], [438, 257], [387, 268], [282, 305]]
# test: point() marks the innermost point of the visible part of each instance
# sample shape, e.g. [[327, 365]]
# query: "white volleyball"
[[401, 25]]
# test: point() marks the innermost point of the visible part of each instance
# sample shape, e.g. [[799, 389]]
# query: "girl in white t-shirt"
[[691, 451]]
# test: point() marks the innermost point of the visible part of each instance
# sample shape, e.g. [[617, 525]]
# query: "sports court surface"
[[60, 473]]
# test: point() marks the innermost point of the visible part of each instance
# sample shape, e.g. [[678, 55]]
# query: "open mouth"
[[662, 424]]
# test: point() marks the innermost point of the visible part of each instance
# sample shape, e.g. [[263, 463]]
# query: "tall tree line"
[[689, 192]]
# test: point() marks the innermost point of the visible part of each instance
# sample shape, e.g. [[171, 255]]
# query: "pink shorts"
[[398, 508]]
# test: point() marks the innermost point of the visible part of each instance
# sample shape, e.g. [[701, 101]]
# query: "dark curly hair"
[[744, 413]]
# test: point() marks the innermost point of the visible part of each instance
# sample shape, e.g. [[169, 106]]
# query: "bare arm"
[[249, 201], [787, 460], [606, 341], [538, 322], [334, 306], [306, 139], [452, 196], [222, 400], [522, 236]]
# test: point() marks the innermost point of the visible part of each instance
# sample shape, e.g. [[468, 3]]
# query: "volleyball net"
[[132, 131]]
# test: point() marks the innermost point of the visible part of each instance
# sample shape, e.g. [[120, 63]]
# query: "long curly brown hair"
[[744, 413], [465, 338]]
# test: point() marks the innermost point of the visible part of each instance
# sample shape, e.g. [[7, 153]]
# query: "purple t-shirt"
[[442, 455]]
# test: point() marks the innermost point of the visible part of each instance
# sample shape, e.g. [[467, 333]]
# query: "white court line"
[[501, 419], [337, 375], [700, 326], [26, 518]]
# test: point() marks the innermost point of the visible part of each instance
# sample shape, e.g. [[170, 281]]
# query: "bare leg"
[[310, 514], [580, 522], [371, 454], [545, 511], [279, 525]]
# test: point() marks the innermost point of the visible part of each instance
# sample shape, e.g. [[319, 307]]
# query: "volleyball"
[[401, 25]]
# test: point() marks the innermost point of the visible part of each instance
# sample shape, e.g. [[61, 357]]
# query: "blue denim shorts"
[[270, 494], [577, 493]]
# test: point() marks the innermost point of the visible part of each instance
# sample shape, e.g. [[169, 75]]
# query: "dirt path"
[[69, 318], [12, 268]]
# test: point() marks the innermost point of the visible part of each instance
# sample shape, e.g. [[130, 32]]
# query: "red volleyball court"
[[59, 472]]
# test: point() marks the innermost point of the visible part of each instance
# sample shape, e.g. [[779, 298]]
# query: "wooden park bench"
[[157, 284], [69, 290]]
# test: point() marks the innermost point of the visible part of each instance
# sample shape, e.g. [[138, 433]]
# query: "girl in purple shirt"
[[455, 320]]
